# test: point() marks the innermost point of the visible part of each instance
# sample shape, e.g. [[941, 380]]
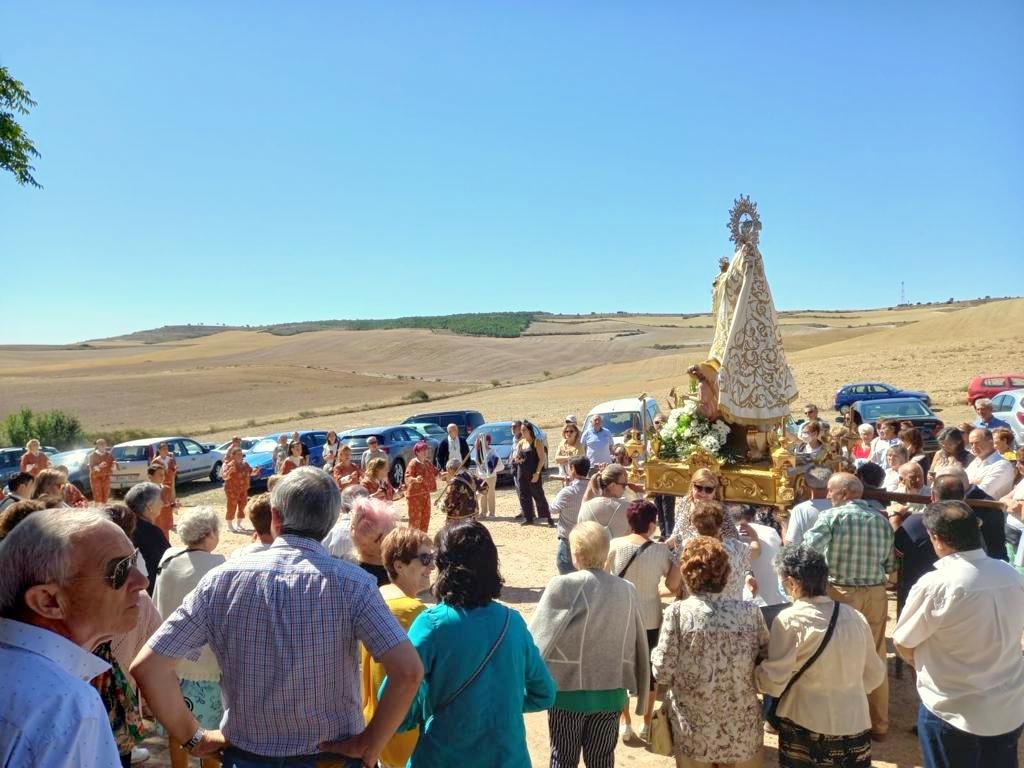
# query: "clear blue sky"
[[240, 162]]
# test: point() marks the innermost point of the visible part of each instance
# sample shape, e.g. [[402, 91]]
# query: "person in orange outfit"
[[166, 459], [294, 459], [420, 482], [376, 481], [236, 475], [33, 460], [101, 467], [345, 472], [72, 496], [165, 520]]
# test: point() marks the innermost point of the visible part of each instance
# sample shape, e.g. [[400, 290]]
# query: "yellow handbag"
[[661, 733]]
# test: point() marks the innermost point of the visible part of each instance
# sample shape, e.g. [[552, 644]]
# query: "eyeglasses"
[[426, 559], [118, 571], [704, 488]]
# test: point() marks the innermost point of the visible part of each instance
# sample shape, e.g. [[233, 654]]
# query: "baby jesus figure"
[[706, 376]]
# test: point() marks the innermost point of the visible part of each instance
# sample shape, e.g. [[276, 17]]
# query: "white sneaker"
[[139, 755], [626, 732], [645, 732]]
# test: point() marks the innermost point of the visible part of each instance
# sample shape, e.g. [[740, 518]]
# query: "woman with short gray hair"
[[180, 570], [145, 500], [822, 709]]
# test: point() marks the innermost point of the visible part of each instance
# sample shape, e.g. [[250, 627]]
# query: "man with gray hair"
[[858, 546], [961, 629], [285, 625], [951, 484], [68, 582], [805, 514], [989, 471], [983, 407]]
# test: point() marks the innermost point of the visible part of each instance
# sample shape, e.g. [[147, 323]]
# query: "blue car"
[[77, 462], [261, 455], [873, 390], [502, 442]]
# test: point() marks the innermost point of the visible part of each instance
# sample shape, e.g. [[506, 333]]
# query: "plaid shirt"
[[285, 625], [857, 544]]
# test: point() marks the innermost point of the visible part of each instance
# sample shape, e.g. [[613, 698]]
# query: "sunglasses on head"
[[704, 488]]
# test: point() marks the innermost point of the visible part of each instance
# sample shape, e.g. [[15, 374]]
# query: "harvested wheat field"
[[246, 379]]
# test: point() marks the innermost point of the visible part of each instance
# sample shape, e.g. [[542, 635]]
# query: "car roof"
[[151, 440], [501, 424], [614, 406], [372, 430], [866, 383], [883, 400], [288, 432]]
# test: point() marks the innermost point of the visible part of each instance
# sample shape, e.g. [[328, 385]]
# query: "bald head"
[[911, 476], [844, 487]]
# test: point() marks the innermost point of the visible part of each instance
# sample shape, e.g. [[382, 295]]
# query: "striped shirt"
[[285, 625], [857, 544]]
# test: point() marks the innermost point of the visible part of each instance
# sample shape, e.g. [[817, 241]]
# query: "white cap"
[[570, 419]]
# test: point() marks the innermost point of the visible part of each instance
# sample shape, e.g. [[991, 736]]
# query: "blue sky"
[[270, 162]]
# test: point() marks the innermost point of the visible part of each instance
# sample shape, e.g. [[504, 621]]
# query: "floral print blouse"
[[705, 659]]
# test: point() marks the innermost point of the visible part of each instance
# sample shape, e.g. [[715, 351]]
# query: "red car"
[[992, 384]]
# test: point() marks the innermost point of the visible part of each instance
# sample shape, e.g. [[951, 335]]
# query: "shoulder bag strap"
[[472, 678], [639, 551], [160, 567], [817, 653]]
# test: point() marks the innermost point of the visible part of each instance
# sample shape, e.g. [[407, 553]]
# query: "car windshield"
[[432, 429], [501, 434], [131, 453], [618, 423], [903, 408], [266, 445]]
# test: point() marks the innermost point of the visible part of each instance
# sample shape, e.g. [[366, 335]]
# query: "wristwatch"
[[192, 743]]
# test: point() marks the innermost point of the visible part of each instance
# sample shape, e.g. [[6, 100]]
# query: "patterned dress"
[[705, 659], [349, 470], [418, 494], [684, 530], [236, 479], [34, 463], [101, 467]]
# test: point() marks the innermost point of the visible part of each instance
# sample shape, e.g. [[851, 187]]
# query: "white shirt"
[[993, 475], [338, 540], [767, 579], [964, 621], [879, 447], [50, 717], [803, 517], [248, 549]]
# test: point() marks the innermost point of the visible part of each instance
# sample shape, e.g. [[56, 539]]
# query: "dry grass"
[[226, 379]]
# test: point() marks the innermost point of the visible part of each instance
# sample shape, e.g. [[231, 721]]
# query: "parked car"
[[873, 390], [1009, 406], [194, 461], [991, 384], [247, 443], [429, 429], [619, 416], [77, 462], [10, 463], [261, 455], [909, 409], [397, 441], [466, 421], [501, 441]]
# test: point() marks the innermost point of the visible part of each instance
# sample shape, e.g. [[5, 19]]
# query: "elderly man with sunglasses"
[[68, 582], [285, 625]]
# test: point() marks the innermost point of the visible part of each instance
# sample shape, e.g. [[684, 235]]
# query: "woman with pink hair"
[[372, 520]]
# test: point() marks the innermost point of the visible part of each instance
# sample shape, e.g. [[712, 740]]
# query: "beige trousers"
[[874, 606], [485, 499]]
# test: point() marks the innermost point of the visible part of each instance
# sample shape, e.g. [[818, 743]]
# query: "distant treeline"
[[500, 324]]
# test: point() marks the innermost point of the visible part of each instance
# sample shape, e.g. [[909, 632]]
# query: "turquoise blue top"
[[484, 726]]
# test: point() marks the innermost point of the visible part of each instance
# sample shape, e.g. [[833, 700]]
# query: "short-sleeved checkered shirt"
[[285, 625], [857, 544]]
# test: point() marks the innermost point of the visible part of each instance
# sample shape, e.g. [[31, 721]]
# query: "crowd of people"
[[317, 640]]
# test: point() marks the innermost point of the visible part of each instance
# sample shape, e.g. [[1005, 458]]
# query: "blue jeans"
[[236, 758], [945, 746], [563, 559]]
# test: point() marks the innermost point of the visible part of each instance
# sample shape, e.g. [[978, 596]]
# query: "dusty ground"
[[527, 562]]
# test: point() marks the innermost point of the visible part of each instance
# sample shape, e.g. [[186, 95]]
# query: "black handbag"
[[771, 710]]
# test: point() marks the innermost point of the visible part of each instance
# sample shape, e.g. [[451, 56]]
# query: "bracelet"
[[197, 737]]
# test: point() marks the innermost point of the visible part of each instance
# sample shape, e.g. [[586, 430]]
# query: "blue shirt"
[[50, 717], [285, 625], [598, 444], [992, 423], [484, 726]]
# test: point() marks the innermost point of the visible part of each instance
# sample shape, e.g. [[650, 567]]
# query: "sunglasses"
[[118, 571], [426, 559], [704, 488]]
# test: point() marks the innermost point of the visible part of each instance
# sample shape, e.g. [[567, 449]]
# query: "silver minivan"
[[194, 461]]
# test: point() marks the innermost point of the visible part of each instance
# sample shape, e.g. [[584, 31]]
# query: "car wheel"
[[844, 409], [397, 473], [215, 473]]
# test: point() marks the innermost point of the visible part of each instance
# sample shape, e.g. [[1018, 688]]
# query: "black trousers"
[[666, 513], [531, 493]]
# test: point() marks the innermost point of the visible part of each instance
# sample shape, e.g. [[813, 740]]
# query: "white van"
[[619, 416]]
